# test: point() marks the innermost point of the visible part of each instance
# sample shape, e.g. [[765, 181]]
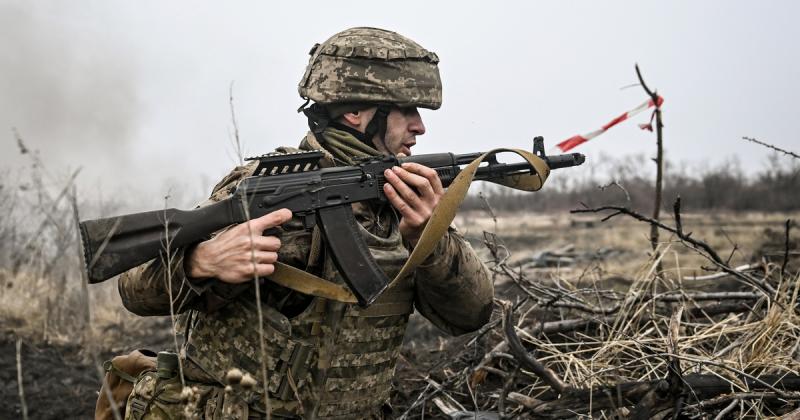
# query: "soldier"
[[325, 359]]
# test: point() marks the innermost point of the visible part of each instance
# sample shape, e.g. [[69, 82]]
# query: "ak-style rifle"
[[295, 181]]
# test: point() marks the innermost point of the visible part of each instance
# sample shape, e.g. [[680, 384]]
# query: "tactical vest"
[[334, 359]]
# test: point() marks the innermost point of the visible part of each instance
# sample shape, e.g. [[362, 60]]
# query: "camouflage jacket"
[[451, 288]]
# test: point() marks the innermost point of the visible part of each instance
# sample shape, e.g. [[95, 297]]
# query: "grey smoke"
[[70, 93]]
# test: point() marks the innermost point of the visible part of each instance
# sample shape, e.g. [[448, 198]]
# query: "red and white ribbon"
[[580, 139]]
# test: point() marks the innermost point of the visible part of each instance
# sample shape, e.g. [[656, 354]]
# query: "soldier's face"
[[403, 125]]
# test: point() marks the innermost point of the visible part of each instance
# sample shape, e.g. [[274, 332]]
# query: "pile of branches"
[[662, 348]]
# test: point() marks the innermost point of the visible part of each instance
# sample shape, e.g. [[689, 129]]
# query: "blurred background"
[[136, 95]]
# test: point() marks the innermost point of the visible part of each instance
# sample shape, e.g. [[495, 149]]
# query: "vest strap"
[[108, 366], [379, 310]]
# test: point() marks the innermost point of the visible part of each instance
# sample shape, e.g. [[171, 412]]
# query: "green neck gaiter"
[[344, 146]]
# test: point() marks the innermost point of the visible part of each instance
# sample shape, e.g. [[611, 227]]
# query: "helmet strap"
[[319, 119], [377, 125]]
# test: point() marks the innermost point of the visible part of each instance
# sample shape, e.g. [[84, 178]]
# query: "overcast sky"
[[138, 91]]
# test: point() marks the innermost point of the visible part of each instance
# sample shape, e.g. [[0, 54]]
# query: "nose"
[[415, 124]]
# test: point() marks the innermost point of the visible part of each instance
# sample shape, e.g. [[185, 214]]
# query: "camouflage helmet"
[[372, 66]]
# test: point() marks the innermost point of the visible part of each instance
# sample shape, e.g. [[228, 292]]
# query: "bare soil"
[[60, 378], [57, 382]]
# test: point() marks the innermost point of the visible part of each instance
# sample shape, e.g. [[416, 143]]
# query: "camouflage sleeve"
[[453, 287], [146, 290]]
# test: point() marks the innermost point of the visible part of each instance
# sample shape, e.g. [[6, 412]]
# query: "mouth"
[[406, 148]]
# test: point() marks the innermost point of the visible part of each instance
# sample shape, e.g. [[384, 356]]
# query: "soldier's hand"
[[414, 190], [229, 256]]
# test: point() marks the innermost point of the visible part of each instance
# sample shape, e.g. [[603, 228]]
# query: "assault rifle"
[[294, 181]]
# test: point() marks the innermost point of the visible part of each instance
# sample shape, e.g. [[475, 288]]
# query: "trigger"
[[309, 221]]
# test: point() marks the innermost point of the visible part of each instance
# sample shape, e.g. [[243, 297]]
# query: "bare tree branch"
[[786, 247], [525, 358], [709, 252], [20, 387], [649, 92], [237, 142], [659, 160], [777, 149], [616, 183]]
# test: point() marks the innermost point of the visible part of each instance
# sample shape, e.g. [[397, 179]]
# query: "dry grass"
[[632, 333], [36, 308], [628, 346]]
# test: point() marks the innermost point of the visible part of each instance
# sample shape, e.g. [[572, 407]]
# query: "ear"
[[352, 118]]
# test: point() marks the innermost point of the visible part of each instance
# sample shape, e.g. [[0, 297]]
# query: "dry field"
[[527, 234], [548, 269], [590, 309]]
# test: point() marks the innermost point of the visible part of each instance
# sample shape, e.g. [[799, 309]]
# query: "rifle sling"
[[434, 230]]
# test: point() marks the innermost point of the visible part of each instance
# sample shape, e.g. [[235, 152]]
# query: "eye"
[[409, 110]]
